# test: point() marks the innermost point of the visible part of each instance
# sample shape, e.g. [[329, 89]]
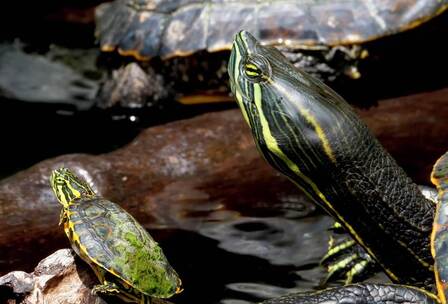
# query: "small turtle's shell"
[[439, 237], [147, 28], [107, 236]]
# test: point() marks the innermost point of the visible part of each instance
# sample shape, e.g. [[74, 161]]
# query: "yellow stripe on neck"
[[271, 142], [311, 120]]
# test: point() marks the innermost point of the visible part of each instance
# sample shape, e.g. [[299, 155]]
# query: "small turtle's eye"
[[256, 68]]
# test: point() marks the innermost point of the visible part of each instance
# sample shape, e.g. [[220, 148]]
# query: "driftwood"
[[59, 278], [197, 164]]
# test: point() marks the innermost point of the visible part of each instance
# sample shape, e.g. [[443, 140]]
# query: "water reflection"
[[247, 254]]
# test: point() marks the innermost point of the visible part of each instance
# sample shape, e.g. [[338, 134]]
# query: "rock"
[[35, 78], [199, 165], [59, 278], [131, 87]]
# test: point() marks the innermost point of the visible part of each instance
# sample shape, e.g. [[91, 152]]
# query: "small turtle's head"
[[68, 187]]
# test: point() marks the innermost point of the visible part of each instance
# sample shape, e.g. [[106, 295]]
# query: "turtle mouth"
[[243, 45], [240, 51]]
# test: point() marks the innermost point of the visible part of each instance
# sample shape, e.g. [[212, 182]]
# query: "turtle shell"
[[107, 236], [439, 237], [148, 28]]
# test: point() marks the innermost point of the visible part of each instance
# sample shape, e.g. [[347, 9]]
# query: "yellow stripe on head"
[[67, 186]]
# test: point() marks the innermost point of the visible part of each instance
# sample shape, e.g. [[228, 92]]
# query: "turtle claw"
[[106, 288], [347, 261], [350, 269]]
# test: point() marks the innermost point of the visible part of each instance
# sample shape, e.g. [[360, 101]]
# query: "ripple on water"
[[261, 252]]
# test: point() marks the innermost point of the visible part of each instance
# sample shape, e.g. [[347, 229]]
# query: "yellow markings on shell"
[[440, 289], [271, 142], [134, 53], [70, 225], [435, 228]]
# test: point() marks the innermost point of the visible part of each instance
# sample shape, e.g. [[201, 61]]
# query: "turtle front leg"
[[106, 288], [145, 300], [347, 260]]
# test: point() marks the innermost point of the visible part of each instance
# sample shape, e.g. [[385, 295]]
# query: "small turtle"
[[310, 134], [125, 258]]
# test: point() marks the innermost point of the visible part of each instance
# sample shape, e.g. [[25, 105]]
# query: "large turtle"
[[125, 258], [394, 294], [326, 38], [149, 28], [310, 134]]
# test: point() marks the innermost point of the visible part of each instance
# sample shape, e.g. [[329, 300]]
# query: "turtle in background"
[[125, 258], [322, 37], [309, 133]]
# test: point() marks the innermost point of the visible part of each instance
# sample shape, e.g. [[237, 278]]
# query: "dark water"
[[226, 256]]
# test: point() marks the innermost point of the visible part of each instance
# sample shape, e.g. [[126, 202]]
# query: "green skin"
[[311, 135], [125, 258]]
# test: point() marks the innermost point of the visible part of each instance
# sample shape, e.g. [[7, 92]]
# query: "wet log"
[[198, 165]]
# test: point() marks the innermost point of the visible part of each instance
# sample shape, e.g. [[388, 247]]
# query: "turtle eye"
[[60, 181], [256, 68]]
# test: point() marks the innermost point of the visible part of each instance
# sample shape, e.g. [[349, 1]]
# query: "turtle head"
[[68, 187], [247, 67], [298, 123]]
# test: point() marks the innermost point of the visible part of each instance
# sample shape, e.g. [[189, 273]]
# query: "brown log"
[[201, 164]]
